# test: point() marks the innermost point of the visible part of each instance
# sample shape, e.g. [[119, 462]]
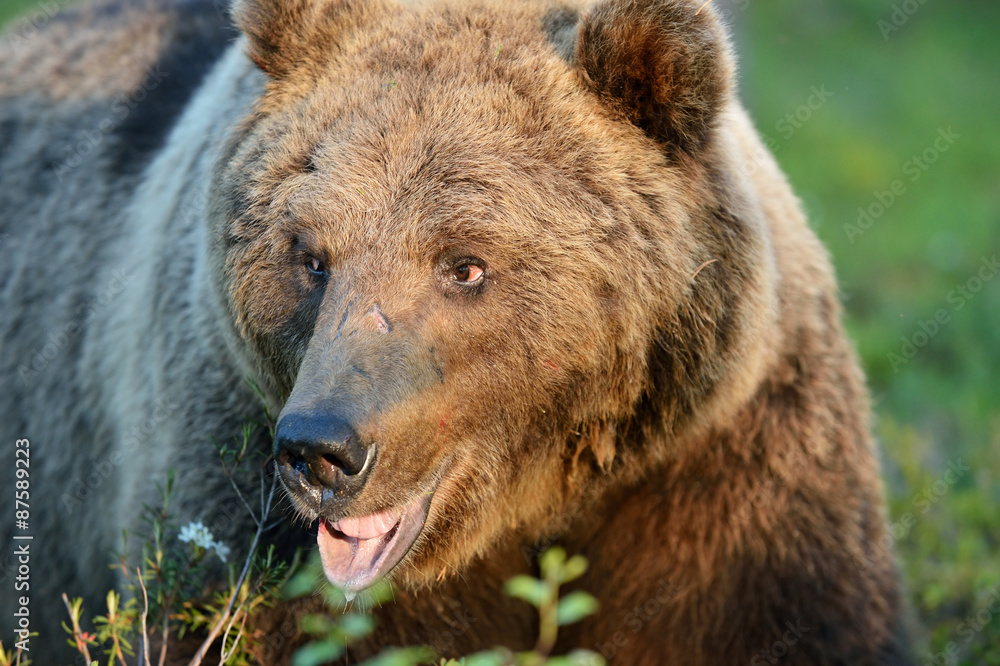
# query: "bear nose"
[[320, 450]]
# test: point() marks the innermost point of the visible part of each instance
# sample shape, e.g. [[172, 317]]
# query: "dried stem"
[[118, 647], [81, 644], [245, 610], [218, 628], [144, 652]]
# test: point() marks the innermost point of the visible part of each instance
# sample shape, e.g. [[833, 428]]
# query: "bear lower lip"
[[353, 563]]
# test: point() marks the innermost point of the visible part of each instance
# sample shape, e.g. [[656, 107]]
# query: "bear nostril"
[[289, 460], [334, 461], [323, 449], [324, 470]]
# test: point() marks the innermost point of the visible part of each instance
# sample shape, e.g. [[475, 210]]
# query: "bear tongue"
[[368, 527], [356, 552]]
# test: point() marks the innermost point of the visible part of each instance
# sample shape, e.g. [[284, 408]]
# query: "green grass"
[[14, 8], [939, 70]]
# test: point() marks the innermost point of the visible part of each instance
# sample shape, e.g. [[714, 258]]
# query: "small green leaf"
[[410, 656], [356, 625], [299, 585], [585, 658], [551, 561], [527, 588], [317, 653], [112, 600], [577, 658], [496, 657], [558, 661], [575, 606], [316, 625], [574, 568]]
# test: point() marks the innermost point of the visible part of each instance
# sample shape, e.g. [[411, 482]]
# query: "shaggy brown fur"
[[652, 371], [596, 190]]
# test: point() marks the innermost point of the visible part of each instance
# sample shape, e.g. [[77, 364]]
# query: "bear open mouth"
[[356, 552]]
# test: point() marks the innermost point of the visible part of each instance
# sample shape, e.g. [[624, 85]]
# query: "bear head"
[[489, 256]]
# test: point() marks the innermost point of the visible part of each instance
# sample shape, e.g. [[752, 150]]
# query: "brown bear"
[[514, 274]]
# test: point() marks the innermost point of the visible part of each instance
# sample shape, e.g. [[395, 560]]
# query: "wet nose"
[[320, 450]]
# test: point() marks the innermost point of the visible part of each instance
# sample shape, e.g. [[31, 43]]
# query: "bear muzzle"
[[324, 466], [321, 461]]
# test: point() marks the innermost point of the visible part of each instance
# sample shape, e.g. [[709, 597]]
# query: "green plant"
[[14, 657], [177, 568], [335, 631]]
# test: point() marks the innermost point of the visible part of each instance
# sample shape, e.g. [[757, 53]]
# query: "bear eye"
[[316, 267], [468, 273]]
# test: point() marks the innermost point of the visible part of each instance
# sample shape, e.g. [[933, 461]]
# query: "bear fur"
[[651, 370]]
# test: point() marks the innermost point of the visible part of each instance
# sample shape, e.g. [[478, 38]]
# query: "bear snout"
[[321, 460]]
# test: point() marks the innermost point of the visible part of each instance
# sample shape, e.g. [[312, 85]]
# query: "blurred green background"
[[902, 76], [894, 108]]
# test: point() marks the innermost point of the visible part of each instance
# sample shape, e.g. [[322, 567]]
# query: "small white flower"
[[202, 537], [221, 549], [197, 534]]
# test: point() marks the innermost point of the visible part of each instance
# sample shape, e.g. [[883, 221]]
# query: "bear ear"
[[664, 65], [285, 34]]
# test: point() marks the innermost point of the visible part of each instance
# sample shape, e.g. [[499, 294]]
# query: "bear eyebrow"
[[298, 244]]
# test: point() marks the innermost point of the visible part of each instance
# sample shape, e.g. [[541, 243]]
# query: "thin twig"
[[243, 609], [142, 620], [165, 632], [118, 648], [168, 604], [232, 482], [702, 7], [217, 629], [260, 473], [81, 645]]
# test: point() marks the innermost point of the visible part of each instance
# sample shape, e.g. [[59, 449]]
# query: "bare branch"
[[218, 628]]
